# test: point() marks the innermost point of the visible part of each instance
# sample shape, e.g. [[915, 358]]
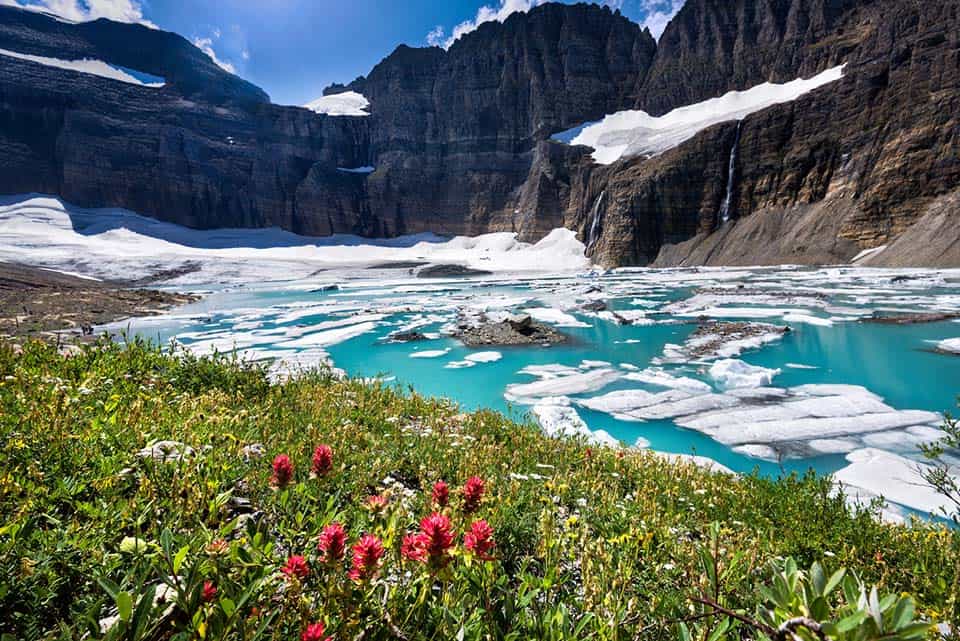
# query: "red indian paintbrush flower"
[[472, 494], [209, 592], [432, 544], [412, 548], [282, 471], [314, 632], [333, 542], [479, 539], [441, 494], [322, 460], [296, 567], [367, 556]]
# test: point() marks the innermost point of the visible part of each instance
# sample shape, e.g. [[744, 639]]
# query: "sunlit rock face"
[[458, 141]]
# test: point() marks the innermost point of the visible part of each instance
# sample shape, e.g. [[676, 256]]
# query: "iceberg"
[[732, 373]]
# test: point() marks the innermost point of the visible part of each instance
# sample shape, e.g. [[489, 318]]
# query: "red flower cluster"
[[314, 632], [432, 544], [209, 592], [472, 494], [479, 539], [296, 567], [322, 460], [282, 471], [441, 494], [333, 542], [367, 557]]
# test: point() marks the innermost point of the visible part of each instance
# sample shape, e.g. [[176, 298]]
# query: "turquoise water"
[[895, 362]]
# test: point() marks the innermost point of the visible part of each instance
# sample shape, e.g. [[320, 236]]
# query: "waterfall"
[[724, 214], [595, 225]]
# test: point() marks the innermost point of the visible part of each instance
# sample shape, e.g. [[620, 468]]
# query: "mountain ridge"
[[459, 139]]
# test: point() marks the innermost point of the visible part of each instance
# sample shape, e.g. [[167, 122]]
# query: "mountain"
[[459, 140]]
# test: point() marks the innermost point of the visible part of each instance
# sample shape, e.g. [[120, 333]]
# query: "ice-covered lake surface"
[[833, 393], [838, 393]]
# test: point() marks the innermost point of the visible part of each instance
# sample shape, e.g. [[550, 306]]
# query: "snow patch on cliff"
[[90, 66], [629, 133], [348, 103]]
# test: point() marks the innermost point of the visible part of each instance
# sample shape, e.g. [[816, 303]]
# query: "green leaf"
[[818, 579], [124, 605], [834, 581], [109, 587], [179, 558], [720, 631], [902, 614], [228, 606], [914, 631]]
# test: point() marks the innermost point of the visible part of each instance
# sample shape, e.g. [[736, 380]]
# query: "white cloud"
[[206, 46], [86, 10], [489, 13], [658, 14], [484, 14], [436, 37]]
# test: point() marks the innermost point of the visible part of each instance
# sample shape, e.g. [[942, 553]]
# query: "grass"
[[589, 543]]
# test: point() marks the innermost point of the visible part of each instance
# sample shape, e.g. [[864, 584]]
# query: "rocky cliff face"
[[459, 139]]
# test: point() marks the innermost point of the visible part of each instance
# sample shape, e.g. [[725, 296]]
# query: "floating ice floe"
[[951, 345], [474, 359], [895, 478], [660, 378], [564, 421], [348, 103], [88, 66], [625, 134], [730, 373], [572, 383], [484, 357], [430, 353], [554, 317], [332, 336], [772, 423]]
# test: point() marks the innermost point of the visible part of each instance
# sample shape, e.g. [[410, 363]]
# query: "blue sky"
[[294, 48]]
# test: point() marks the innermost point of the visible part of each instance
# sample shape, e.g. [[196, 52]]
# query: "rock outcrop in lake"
[[459, 140]]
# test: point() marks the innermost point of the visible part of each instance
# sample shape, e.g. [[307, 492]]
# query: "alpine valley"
[[754, 132]]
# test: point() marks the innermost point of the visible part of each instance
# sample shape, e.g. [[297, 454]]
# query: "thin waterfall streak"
[[595, 227], [731, 177]]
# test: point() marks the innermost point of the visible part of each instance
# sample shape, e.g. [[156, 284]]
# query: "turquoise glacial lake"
[[838, 383]]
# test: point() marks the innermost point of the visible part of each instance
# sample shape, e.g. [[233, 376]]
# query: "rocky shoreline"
[[49, 305]]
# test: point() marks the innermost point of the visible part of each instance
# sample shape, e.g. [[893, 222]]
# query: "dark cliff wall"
[[850, 166], [460, 138], [451, 135]]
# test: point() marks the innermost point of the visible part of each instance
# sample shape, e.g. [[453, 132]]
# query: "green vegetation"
[[212, 536]]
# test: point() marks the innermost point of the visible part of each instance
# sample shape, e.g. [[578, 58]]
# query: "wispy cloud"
[[497, 13], [485, 13], [85, 10], [206, 46], [658, 13]]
